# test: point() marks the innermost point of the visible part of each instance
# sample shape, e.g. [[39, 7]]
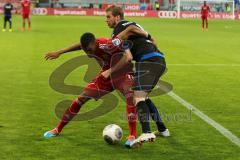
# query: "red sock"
[[132, 124], [69, 114]]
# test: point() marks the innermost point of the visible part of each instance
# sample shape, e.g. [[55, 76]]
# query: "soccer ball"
[[112, 134]]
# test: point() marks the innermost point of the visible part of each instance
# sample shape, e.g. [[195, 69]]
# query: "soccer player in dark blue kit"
[[150, 66], [8, 7]]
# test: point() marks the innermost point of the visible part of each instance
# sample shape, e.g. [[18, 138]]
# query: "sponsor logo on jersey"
[[116, 42]]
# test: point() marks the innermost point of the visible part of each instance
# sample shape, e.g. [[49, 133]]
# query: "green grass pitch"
[[212, 84]]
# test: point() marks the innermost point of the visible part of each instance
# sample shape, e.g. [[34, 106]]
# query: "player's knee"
[[136, 100], [139, 96]]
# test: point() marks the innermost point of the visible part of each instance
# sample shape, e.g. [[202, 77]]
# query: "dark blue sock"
[[155, 116], [143, 116]]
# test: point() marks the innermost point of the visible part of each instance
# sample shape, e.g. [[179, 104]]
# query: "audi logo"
[[40, 11], [167, 14]]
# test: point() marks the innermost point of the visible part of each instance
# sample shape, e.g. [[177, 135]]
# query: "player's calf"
[[67, 116]]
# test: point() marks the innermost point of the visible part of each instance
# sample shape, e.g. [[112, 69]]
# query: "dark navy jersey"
[[141, 45], [8, 7]]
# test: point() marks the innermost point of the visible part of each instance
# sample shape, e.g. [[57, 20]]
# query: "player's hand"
[[106, 74], [52, 55]]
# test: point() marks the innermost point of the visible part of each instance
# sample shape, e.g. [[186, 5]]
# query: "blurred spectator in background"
[[56, 4], [219, 7], [236, 2], [171, 4], [150, 7], [157, 6], [227, 7], [100, 6], [90, 5], [143, 6], [37, 3], [79, 6]]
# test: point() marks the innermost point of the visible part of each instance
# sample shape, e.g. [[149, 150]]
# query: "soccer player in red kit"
[[205, 13], [26, 5], [100, 49]]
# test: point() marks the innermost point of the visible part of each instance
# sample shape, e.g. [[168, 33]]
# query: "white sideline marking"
[[225, 132], [206, 65]]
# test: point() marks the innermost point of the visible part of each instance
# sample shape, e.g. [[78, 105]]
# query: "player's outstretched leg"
[[67, 116], [162, 130]]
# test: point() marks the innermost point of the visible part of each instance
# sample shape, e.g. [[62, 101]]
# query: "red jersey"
[[106, 48], [205, 10], [26, 6], [107, 54]]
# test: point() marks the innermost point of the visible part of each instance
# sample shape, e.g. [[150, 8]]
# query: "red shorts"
[[25, 15], [100, 86], [204, 17]]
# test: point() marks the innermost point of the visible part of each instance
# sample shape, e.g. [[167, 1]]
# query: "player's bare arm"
[[126, 58], [56, 54], [132, 30]]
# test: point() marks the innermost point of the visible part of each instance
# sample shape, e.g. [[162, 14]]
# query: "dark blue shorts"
[[148, 72], [7, 17]]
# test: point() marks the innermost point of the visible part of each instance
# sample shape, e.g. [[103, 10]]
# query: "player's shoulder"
[[102, 40], [126, 23], [109, 41], [102, 43], [123, 24], [107, 44]]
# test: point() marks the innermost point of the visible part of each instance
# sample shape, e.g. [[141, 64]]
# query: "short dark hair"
[[86, 39], [116, 11]]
